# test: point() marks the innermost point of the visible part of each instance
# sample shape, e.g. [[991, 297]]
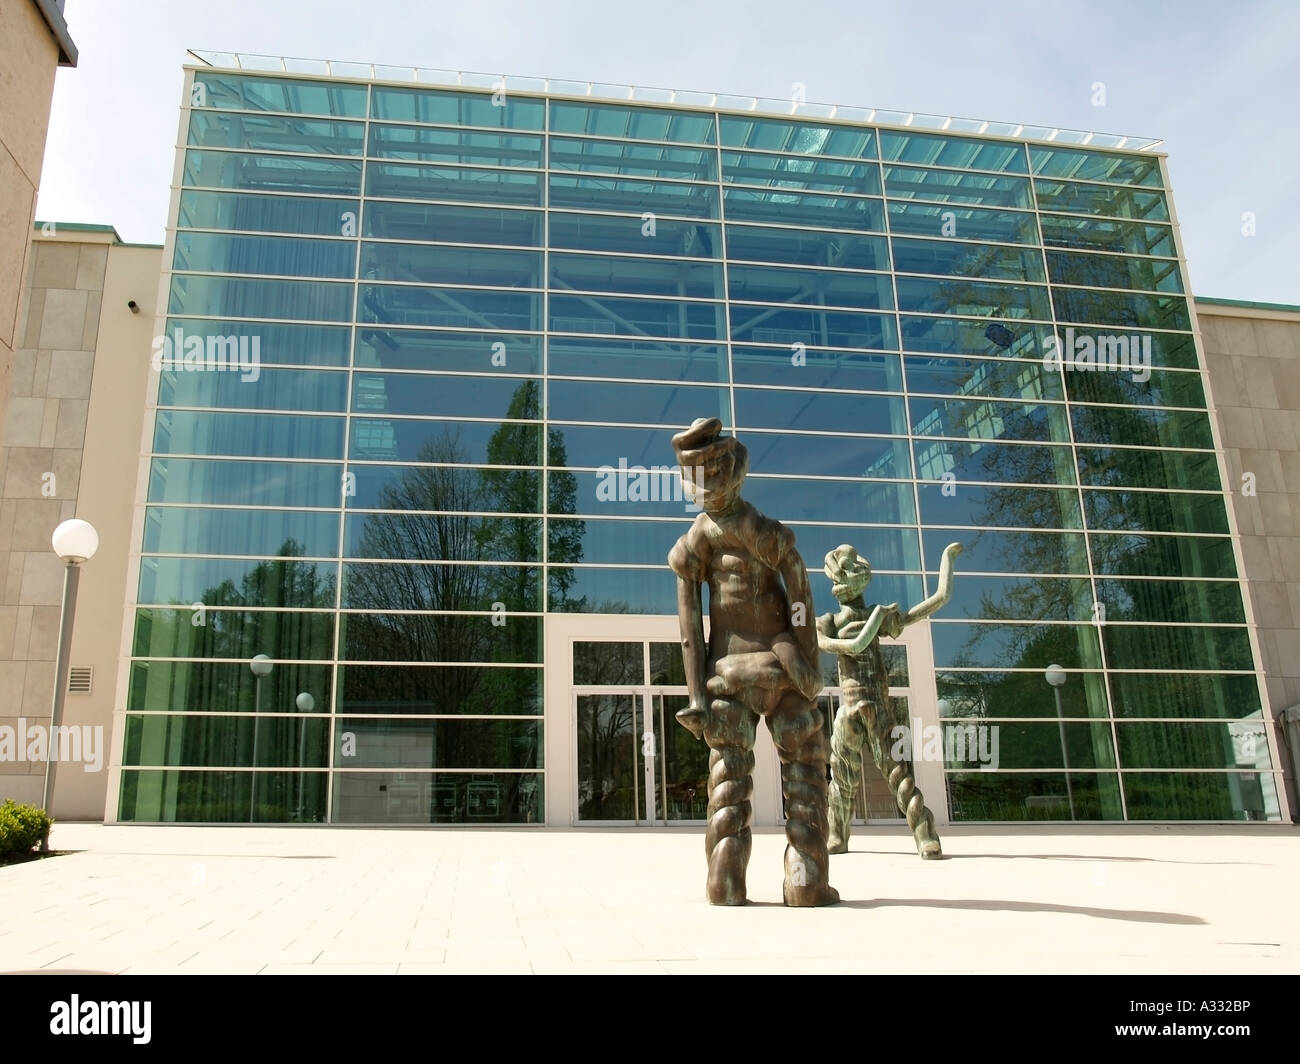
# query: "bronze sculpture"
[[853, 632], [761, 660]]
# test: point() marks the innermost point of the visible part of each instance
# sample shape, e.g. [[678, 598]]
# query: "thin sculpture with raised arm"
[[760, 661], [853, 633]]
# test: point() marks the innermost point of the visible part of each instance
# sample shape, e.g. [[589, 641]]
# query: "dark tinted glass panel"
[[255, 435], [981, 419], [276, 133], [228, 687], [798, 137], [443, 537], [818, 411], [635, 317], [1000, 462], [450, 224], [617, 590], [1139, 555], [1121, 308], [445, 441], [1125, 467], [213, 741], [295, 174], [631, 542], [444, 395], [648, 359], [1161, 388], [433, 637], [884, 548], [438, 798], [481, 352], [832, 328], [240, 92], [992, 507], [623, 490], [996, 337], [273, 389], [440, 689], [629, 234], [1176, 648], [818, 210], [964, 223], [251, 483], [1014, 646], [972, 297], [640, 276], [414, 743], [1200, 796], [1104, 234], [246, 297], [215, 797], [404, 487], [635, 123], [1020, 694], [609, 663], [827, 456], [579, 446], [1012, 552], [1010, 379], [807, 247], [800, 172], [463, 308], [286, 583], [1174, 694], [439, 107], [1155, 511], [425, 145], [633, 159], [1113, 271], [454, 184], [1194, 601], [266, 214], [1030, 796], [808, 367], [1141, 426], [490, 267], [311, 345], [1100, 200], [648, 403], [634, 196], [195, 530], [1038, 598], [235, 634], [1095, 165], [442, 587], [954, 186], [767, 284], [967, 745], [958, 152], [953, 259], [869, 502]]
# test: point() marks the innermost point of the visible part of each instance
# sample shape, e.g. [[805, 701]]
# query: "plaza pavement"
[[176, 900]]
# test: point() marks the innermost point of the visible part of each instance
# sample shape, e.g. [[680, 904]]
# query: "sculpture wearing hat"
[[854, 634], [761, 660]]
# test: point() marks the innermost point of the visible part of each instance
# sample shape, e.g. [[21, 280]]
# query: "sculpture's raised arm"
[[942, 594]]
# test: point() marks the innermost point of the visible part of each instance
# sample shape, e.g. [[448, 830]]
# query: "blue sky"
[[1215, 81]]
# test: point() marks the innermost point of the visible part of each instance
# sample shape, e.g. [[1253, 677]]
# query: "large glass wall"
[[425, 353]]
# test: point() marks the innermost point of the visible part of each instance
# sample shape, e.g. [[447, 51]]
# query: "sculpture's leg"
[[796, 727], [898, 773], [730, 735], [847, 739]]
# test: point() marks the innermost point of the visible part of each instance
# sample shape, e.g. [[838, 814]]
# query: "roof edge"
[[58, 25]]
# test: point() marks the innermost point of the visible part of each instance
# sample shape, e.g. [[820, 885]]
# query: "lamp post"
[[260, 666], [306, 703], [1055, 675], [75, 541]]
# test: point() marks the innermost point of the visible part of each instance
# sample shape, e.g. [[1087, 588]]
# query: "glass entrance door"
[[635, 765]]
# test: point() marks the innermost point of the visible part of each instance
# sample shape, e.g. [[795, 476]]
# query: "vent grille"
[[80, 679]]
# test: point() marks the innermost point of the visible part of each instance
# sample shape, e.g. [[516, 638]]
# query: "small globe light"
[[944, 707], [75, 541], [305, 702], [1055, 675], [261, 665]]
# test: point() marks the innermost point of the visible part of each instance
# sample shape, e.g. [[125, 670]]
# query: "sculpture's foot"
[[693, 720], [727, 861], [835, 844], [927, 842], [808, 897]]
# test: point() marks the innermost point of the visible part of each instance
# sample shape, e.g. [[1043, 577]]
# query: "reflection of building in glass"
[[466, 310]]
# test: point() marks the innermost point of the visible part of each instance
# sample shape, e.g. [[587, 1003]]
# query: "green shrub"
[[22, 827]]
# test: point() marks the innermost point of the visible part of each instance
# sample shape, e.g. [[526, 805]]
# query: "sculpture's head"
[[713, 466], [849, 573]]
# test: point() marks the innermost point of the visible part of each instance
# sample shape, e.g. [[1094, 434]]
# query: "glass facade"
[[424, 347]]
